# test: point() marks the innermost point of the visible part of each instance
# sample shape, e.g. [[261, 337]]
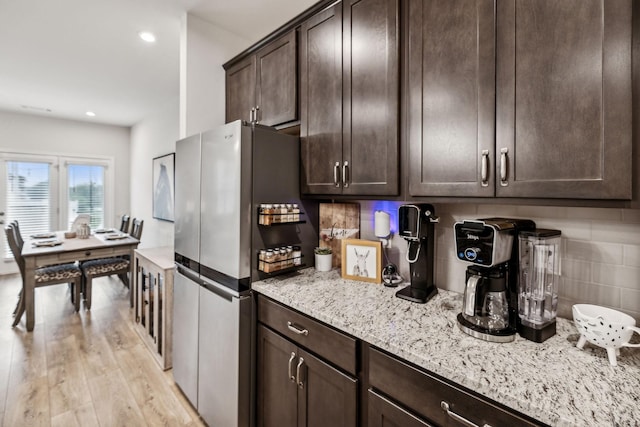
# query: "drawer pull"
[[292, 377], [462, 420], [298, 373], [294, 328]]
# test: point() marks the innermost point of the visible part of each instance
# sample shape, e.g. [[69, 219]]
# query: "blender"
[[538, 284]]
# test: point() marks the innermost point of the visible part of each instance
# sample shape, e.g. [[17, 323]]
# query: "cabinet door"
[[277, 392], [321, 102], [371, 106], [276, 85], [327, 397], [384, 413], [240, 90], [564, 98], [451, 97]]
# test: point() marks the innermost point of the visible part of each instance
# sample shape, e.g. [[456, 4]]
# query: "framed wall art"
[[362, 260], [163, 187]]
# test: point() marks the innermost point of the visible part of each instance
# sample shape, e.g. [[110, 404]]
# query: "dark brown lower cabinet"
[[385, 413], [296, 388], [431, 399]]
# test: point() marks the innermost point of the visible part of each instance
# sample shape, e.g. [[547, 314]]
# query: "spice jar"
[[289, 256], [283, 258], [296, 213], [297, 255], [289, 215], [268, 261], [261, 257]]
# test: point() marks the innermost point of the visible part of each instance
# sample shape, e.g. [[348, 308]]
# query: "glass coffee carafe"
[[485, 299]]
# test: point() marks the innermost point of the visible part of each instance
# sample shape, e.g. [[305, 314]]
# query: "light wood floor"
[[82, 369]]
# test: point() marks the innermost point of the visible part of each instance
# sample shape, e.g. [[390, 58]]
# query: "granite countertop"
[[553, 382]]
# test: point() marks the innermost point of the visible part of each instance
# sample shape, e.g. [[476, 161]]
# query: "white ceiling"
[[73, 56]]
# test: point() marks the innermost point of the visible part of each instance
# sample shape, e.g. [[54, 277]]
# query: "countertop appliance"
[[489, 309], [415, 225], [538, 283], [221, 176]]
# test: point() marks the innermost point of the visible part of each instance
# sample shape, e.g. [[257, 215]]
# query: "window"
[[46, 193], [85, 186], [28, 197]]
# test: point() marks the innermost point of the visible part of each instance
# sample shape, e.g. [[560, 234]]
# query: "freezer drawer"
[[224, 353], [186, 294]]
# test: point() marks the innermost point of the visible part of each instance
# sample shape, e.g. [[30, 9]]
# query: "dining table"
[[54, 248]]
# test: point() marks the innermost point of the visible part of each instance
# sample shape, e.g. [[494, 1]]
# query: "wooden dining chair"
[[44, 276], [136, 228], [124, 223], [98, 268], [136, 233], [109, 266]]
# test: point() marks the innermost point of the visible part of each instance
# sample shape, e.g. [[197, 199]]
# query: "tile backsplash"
[[600, 261]]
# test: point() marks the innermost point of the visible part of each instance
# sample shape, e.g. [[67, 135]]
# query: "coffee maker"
[[415, 225], [491, 288]]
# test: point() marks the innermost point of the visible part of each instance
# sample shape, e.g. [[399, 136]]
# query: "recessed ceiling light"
[[90, 114], [147, 36]]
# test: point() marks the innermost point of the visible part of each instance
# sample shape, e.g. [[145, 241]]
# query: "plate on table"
[[46, 243], [43, 235], [116, 236], [104, 230]]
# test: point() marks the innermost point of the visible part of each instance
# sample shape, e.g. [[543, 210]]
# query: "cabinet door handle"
[[336, 172], [294, 328], [462, 420], [292, 377], [485, 168], [503, 167], [345, 174], [257, 116], [252, 114], [299, 373]]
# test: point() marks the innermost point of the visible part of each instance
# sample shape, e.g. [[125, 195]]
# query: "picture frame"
[[163, 187], [362, 260]]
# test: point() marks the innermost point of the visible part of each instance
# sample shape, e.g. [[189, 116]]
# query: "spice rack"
[[280, 260], [279, 213]]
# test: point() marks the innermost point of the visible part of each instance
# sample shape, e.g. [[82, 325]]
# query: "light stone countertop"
[[553, 382]]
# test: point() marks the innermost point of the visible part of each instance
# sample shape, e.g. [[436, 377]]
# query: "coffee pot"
[[415, 225], [490, 297]]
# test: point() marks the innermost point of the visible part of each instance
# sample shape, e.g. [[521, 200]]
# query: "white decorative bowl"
[[604, 327]]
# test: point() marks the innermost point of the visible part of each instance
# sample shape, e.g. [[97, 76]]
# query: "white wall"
[[203, 49], [28, 133], [152, 137]]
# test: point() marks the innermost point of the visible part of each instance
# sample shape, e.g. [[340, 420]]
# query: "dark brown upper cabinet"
[[558, 79], [349, 89], [263, 86], [451, 97], [563, 105]]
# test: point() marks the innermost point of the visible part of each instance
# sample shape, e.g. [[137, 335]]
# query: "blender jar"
[[538, 283]]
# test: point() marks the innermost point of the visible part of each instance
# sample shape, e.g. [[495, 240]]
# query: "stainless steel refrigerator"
[[221, 176]]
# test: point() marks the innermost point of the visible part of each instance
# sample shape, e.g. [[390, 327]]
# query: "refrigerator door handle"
[[189, 274]]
